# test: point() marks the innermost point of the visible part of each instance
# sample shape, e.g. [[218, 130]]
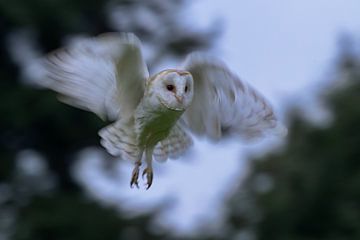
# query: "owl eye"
[[186, 88], [170, 87]]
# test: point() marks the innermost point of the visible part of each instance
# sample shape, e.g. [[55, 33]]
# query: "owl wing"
[[174, 145], [104, 74], [223, 104]]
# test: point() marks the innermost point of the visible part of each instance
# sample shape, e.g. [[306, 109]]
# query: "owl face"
[[173, 88]]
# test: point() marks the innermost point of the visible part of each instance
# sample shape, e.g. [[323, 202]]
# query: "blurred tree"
[[38, 198], [309, 190]]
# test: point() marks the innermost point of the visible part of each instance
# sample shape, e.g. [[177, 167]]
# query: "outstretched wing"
[[223, 104], [104, 74]]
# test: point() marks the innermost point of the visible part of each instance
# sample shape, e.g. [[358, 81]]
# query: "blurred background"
[[57, 183]]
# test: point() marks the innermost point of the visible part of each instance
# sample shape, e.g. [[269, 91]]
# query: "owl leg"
[[148, 171], [135, 174]]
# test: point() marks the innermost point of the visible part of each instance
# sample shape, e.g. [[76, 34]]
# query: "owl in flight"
[[153, 115]]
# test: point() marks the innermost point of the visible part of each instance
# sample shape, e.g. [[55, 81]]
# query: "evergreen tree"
[[40, 137], [309, 190]]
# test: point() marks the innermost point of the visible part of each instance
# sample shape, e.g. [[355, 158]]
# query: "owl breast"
[[154, 126]]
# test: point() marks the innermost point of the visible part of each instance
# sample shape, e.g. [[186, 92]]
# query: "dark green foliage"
[[35, 119], [72, 217], [315, 180]]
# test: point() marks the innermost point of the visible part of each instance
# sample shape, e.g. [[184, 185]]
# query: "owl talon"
[[149, 176], [135, 176]]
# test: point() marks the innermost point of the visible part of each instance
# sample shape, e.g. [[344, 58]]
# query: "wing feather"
[[174, 145], [104, 74], [223, 104]]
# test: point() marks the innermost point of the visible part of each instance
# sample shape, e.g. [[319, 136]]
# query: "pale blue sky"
[[280, 46]]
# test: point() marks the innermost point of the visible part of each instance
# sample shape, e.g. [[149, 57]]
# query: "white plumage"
[[108, 76], [223, 104]]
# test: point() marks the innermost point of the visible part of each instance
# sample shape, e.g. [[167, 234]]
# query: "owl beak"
[[179, 98]]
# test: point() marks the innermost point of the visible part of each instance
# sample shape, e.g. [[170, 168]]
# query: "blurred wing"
[[104, 75], [223, 104], [174, 145], [119, 140]]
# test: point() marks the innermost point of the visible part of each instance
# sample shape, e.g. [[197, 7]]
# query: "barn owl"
[[153, 116]]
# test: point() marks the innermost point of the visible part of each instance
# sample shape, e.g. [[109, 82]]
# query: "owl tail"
[[119, 140]]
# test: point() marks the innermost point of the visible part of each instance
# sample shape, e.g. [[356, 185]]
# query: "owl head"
[[172, 88]]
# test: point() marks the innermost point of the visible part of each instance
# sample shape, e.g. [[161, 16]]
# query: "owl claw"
[[135, 176], [149, 176]]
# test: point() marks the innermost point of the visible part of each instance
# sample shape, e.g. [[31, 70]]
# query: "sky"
[[281, 47]]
